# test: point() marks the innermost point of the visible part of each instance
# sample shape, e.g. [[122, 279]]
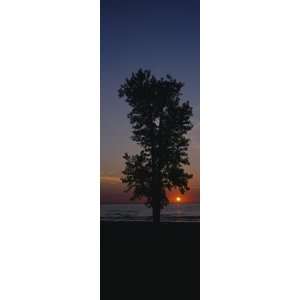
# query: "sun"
[[178, 199]]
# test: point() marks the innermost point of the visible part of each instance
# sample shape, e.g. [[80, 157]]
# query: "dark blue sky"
[[160, 35]]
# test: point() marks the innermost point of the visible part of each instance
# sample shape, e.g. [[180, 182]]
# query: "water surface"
[[139, 212]]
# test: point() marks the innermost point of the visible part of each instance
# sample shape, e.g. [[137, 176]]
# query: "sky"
[[160, 35]]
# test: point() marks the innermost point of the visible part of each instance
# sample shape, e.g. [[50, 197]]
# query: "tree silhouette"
[[160, 121]]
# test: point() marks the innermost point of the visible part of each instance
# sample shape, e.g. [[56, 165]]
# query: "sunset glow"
[[178, 199]]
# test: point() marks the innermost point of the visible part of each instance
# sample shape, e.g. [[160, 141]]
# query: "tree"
[[160, 121]]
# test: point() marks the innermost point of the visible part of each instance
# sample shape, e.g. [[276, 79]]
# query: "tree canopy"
[[160, 121]]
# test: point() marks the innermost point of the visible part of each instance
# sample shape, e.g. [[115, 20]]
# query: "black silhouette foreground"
[[142, 261], [160, 120]]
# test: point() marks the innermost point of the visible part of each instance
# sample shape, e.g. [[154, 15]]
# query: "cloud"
[[110, 179]]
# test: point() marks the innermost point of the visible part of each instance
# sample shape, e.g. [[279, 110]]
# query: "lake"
[[139, 212]]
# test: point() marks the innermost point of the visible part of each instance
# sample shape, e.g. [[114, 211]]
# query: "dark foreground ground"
[[140, 261]]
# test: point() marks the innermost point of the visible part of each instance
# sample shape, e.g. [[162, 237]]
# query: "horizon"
[[142, 203]]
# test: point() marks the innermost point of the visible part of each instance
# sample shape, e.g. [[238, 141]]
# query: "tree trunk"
[[156, 211], [156, 198], [155, 189]]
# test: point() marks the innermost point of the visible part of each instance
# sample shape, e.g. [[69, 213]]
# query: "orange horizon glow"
[[112, 191]]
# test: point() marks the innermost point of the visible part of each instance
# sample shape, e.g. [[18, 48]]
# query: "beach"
[[143, 261]]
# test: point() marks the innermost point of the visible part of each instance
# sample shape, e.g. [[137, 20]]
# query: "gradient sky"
[[160, 35]]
